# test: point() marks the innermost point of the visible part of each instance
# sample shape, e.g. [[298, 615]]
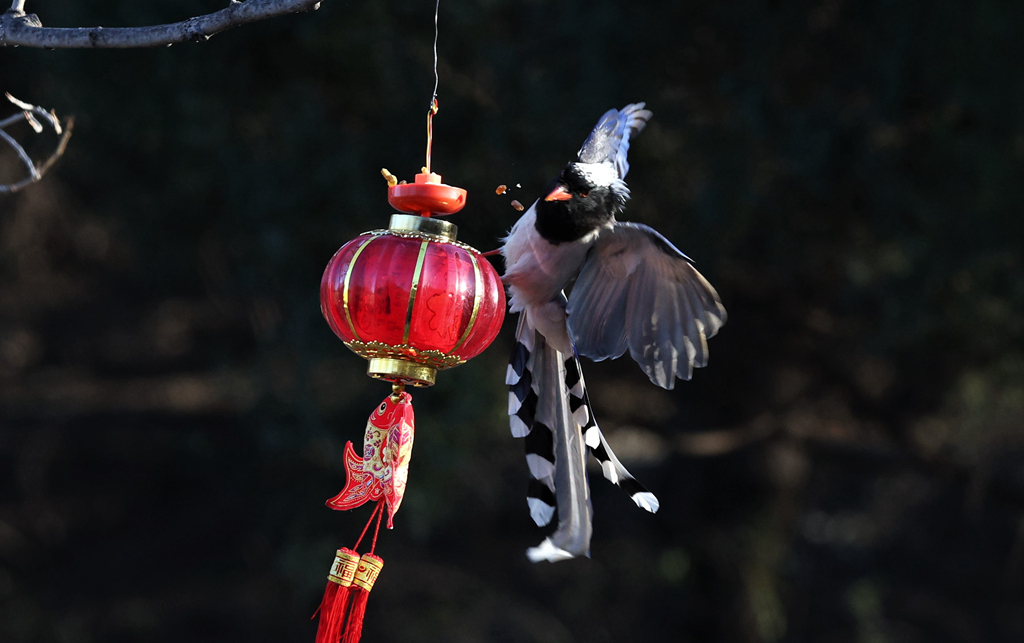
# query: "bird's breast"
[[537, 270]]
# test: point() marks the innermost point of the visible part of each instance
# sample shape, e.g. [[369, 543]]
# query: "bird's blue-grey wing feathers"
[[609, 140], [638, 292]]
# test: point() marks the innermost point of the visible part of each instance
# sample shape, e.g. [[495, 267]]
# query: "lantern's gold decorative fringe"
[[415, 234], [404, 352], [391, 178]]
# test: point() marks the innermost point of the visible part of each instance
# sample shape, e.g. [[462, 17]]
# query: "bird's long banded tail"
[[613, 470], [550, 408]]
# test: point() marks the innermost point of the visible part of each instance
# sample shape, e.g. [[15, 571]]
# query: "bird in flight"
[[633, 290]]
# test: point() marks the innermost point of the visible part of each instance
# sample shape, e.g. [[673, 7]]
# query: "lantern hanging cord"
[[378, 508], [437, 10], [433, 100], [376, 530]]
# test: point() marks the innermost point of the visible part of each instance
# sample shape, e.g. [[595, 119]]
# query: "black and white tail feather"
[[549, 407]]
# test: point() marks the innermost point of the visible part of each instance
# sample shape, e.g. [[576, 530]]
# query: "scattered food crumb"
[[501, 189], [518, 186], [517, 205]]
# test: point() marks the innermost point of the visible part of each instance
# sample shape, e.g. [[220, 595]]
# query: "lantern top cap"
[[426, 196], [431, 177]]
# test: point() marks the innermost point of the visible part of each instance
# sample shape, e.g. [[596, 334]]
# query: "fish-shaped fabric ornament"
[[379, 476], [383, 470]]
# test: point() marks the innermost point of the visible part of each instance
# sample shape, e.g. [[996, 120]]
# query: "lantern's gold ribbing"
[[417, 273], [478, 295], [348, 279]]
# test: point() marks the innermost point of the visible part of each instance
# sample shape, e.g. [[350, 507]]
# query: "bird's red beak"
[[558, 194]]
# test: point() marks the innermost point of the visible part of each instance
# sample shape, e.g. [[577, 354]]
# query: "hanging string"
[[380, 505], [437, 9], [373, 546], [433, 100]]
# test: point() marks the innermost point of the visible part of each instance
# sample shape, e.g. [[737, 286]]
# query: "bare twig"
[[25, 30], [29, 113], [22, 154]]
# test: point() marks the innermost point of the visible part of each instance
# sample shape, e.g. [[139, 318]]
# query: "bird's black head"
[[584, 197]]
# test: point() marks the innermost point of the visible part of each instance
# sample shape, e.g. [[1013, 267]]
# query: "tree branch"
[[18, 29], [29, 113]]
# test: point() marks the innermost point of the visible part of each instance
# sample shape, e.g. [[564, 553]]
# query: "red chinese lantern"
[[412, 300]]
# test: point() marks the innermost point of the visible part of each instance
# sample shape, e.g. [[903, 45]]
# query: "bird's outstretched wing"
[[609, 140], [638, 291]]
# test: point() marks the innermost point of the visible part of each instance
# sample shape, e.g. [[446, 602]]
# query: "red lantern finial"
[[427, 196]]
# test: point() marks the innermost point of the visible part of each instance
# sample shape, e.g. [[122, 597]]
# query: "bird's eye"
[[583, 195]]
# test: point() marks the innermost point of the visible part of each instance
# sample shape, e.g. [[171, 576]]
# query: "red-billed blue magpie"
[[633, 290]]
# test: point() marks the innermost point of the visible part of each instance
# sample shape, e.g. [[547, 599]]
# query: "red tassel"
[[336, 596], [366, 576]]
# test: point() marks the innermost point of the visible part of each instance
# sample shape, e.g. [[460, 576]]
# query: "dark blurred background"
[[849, 467]]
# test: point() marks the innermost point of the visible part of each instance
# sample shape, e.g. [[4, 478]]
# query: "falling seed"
[[518, 185], [501, 189], [517, 205]]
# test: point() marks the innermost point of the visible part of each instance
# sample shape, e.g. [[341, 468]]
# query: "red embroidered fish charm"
[[383, 470]]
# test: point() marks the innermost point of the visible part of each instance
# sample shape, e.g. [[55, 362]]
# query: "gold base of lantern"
[[397, 370]]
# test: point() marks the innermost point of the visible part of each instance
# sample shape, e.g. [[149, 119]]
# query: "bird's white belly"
[[536, 271]]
